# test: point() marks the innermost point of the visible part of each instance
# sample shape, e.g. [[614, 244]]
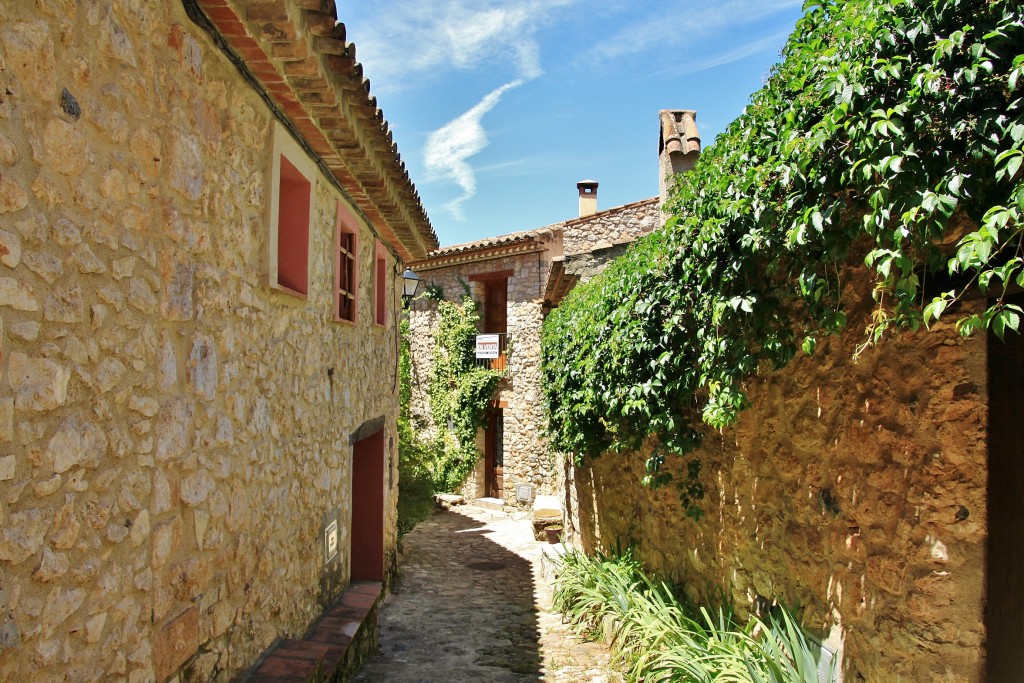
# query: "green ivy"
[[415, 483], [890, 128], [460, 392]]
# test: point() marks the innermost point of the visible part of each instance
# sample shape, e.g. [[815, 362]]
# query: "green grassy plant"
[[658, 635]]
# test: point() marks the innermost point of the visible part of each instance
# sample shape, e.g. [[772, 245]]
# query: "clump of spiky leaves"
[[658, 635]]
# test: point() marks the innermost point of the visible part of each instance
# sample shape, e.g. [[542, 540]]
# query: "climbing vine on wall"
[[460, 392], [892, 128]]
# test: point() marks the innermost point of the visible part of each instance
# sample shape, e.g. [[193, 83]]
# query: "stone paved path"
[[472, 606]]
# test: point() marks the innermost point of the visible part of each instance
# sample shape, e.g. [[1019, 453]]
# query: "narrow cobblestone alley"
[[472, 605]]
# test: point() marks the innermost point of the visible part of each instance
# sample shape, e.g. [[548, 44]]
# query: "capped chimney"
[[588, 197], [678, 146]]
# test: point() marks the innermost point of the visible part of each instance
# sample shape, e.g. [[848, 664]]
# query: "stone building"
[[203, 219], [516, 279]]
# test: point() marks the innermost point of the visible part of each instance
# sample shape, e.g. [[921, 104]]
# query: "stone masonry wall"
[[526, 456], [856, 490], [173, 435], [611, 226]]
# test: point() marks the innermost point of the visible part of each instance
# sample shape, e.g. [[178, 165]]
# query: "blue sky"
[[500, 106]]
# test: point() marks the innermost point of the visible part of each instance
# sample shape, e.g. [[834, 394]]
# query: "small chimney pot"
[[588, 197]]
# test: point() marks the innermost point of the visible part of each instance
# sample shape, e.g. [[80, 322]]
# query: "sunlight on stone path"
[[471, 605]]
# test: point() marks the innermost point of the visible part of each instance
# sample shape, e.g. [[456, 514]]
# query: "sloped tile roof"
[[297, 52], [490, 247]]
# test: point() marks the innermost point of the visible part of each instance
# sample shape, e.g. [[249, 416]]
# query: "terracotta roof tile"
[[300, 43]]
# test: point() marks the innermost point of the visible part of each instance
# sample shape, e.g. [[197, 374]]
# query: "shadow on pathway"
[[470, 605]]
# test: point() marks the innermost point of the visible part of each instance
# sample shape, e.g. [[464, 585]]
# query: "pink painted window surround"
[[380, 307], [346, 265], [293, 229]]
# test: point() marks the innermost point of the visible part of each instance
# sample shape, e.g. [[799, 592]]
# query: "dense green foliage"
[[659, 636], [892, 128], [460, 392], [415, 485]]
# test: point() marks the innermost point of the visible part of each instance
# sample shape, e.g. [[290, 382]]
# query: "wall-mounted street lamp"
[[410, 283]]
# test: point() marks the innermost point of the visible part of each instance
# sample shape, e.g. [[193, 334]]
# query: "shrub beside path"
[[471, 605]]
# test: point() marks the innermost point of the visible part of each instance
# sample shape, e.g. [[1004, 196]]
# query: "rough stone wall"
[[526, 455], [612, 226], [173, 435], [856, 490]]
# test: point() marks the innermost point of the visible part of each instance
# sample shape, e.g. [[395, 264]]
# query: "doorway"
[[1004, 611], [494, 454], [368, 508]]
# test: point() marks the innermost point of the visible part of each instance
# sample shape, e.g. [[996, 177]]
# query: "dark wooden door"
[[496, 315], [494, 455], [1004, 612], [496, 306]]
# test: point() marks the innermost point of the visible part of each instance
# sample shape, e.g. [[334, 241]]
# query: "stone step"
[[334, 645]]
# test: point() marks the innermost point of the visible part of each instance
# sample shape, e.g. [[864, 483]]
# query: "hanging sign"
[[487, 345]]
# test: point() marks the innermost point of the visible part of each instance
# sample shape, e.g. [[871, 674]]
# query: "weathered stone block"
[[17, 295], [196, 487], [60, 604], [166, 536], [175, 642], [177, 272], [8, 466], [76, 442], [202, 367], [8, 151], [23, 535], [51, 567], [39, 383], [65, 147], [12, 194], [186, 166], [140, 528], [29, 51], [65, 305], [65, 525], [10, 249], [141, 295], [94, 627], [173, 429]]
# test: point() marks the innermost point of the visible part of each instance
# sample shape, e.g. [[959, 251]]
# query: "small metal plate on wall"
[[331, 541]]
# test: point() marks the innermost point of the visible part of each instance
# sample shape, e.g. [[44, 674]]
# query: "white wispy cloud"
[[686, 23], [774, 41], [449, 148], [411, 38]]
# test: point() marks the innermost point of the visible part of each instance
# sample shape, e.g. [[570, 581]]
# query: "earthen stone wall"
[[610, 227], [527, 460], [173, 435], [855, 489]]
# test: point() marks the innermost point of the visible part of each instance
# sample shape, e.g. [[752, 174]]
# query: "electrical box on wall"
[[524, 493], [331, 541]]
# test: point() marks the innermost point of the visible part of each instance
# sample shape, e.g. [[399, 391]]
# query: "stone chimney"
[[588, 197], [678, 146]]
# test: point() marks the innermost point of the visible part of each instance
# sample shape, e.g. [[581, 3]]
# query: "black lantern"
[[410, 283]]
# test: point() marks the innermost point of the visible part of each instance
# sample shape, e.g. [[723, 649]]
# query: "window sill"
[[283, 289]]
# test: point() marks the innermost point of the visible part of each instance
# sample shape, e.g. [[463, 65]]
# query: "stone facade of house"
[[176, 434], [540, 266], [519, 396], [856, 490]]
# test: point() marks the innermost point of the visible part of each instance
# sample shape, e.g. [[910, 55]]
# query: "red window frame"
[[380, 308], [346, 266], [294, 193]]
